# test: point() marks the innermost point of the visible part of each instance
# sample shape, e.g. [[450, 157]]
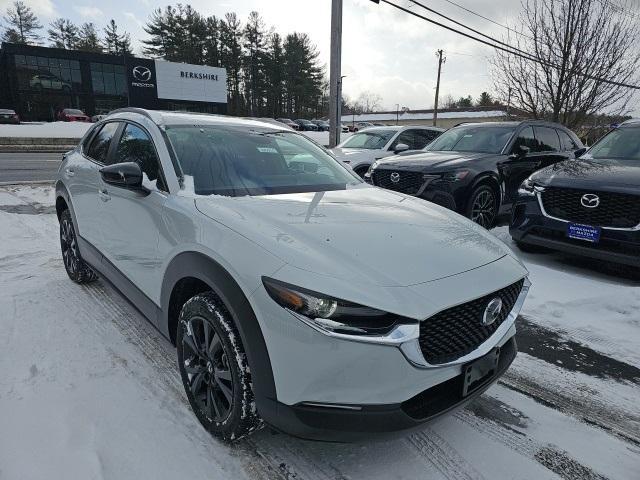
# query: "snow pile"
[[45, 130]]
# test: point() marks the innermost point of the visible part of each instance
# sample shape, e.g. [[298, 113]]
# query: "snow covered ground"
[[46, 130], [78, 129], [90, 390]]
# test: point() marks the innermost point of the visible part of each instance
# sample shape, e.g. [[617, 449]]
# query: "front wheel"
[[214, 368], [483, 206]]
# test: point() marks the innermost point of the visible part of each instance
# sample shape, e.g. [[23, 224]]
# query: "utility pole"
[[335, 80], [397, 112], [441, 60], [509, 104]]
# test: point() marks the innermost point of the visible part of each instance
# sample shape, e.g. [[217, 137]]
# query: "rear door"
[[132, 219], [550, 149]]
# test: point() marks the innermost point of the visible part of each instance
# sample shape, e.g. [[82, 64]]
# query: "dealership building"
[[38, 82]]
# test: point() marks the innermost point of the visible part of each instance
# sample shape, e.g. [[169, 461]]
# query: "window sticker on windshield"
[[468, 135], [267, 150]]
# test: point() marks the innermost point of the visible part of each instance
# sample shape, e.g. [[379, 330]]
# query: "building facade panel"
[[38, 82]]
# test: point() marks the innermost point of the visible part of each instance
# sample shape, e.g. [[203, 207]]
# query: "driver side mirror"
[[401, 147], [579, 152], [520, 151], [125, 175]]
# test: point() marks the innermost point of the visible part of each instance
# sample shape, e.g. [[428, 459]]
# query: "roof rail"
[[139, 111]]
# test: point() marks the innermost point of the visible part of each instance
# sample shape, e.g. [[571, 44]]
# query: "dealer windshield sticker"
[[267, 150]]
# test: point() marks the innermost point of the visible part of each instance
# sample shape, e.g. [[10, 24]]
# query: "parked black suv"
[[476, 168], [589, 206]]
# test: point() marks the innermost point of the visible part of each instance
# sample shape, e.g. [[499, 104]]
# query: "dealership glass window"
[[50, 74], [108, 79]]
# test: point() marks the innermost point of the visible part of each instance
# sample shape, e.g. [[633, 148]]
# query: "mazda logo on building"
[[141, 73], [492, 312], [590, 200], [395, 177]]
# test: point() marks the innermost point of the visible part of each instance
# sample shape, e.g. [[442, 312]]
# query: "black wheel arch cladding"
[[203, 268]]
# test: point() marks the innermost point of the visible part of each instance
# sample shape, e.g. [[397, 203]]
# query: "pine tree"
[[63, 34], [157, 28], [88, 38], [212, 41], [192, 25], [303, 75], [115, 43], [231, 58], [485, 100], [23, 25], [274, 75], [254, 63]]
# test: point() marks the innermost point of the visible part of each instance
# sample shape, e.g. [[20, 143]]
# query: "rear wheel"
[[76, 268], [214, 368], [483, 206]]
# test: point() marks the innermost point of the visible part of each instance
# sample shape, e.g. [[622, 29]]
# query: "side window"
[[548, 139], [527, 139], [421, 138], [101, 141], [405, 137], [136, 146], [566, 141]]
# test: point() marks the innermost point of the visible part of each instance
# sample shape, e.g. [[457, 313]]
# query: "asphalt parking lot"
[[95, 390], [28, 167]]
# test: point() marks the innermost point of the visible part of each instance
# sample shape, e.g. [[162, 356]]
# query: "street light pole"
[[335, 79]]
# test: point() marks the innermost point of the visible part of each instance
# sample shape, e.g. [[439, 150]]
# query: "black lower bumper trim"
[[587, 251], [381, 421]]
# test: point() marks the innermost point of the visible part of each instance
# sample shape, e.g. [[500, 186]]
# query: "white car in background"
[[363, 148]]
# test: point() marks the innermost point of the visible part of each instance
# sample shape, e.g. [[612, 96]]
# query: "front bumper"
[[530, 225], [353, 423]]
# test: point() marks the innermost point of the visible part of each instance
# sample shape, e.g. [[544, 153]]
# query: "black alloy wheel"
[[483, 206], [76, 268], [207, 366], [214, 368]]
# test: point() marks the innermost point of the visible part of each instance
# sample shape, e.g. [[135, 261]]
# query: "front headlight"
[[332, 314], [528, 188], [455, 176]]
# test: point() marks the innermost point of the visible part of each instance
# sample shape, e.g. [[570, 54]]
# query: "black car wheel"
[[214, 368], [483, 206], [76, 268]]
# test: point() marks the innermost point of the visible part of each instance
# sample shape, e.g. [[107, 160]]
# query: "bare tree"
[[579, 43], [368, 102]]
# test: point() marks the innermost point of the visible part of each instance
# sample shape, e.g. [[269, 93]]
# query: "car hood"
[[431, 160], [351, 154], [362, 234], [588, 173]]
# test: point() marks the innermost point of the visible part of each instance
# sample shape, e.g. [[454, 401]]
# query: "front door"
[[131, 219]]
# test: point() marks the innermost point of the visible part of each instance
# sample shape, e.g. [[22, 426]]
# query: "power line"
[[489, 19], [509, 50], [477, 32]]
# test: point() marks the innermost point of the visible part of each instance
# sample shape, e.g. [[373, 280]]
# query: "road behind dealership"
[[90, 389], [28, 167]]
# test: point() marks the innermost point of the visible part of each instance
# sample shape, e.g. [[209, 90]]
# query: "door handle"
[[104, 195], [69, 172]]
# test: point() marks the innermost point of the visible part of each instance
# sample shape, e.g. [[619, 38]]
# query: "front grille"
[[616, 210], [407, 182], [458, 331]]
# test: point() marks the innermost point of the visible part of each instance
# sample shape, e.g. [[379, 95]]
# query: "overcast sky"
[[385, 51]]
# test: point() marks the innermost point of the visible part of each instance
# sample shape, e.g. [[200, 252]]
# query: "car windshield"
[[234, 161], [371, 140], [481, 139], [71, 111], [622, 143]]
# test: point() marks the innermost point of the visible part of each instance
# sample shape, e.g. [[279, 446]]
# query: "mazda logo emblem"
[[141, 73], [395, 177], [492, 312], [590, 200]]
